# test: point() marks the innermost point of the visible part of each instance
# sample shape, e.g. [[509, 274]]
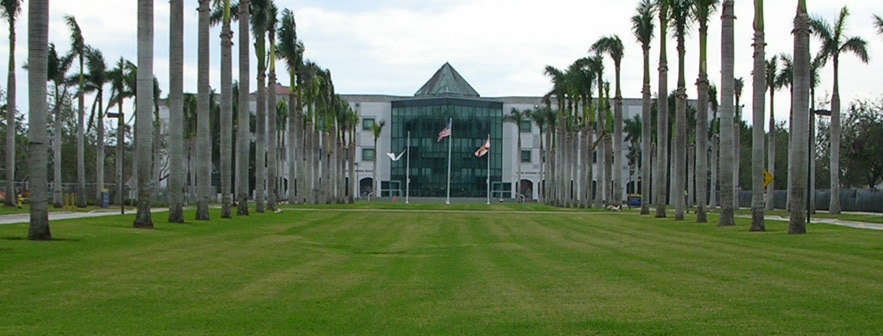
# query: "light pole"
[[121, 145], [811, 177]]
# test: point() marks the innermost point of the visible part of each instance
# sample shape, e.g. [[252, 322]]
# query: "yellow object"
[[767, 178]]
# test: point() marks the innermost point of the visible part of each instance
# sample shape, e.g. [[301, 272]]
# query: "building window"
[[594, 157], [367, 123], [524, 126], [367, 154], [525, 156]]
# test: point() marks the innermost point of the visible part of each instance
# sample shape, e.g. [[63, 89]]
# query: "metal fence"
[[863, 200]]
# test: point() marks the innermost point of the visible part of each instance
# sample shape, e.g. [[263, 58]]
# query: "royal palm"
[[612, 46], [759, 85], [643, 28], [702, 10], [10, 10], [680, 20], [835, 42]]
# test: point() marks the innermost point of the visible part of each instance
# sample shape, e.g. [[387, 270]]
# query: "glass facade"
[[473, 121]]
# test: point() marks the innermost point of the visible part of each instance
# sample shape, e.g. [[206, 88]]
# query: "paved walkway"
[[830, 221], [61, 215]]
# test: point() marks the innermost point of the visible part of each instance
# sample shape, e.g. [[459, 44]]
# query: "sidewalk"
[[830, 221], [62, 215]]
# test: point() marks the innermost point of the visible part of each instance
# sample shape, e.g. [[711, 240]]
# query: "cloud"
[[500, 47]]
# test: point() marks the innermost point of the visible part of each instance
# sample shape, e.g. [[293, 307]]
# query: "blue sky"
[[500, 47]]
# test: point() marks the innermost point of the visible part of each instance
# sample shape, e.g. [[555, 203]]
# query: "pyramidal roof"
[[446, 82]]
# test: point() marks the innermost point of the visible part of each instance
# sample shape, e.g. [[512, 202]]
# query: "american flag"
[[445, 132], [481, 151]]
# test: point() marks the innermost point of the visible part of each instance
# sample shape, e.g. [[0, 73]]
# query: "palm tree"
[[539, 118], [11, 9], [680, 19], [773, 85], [715, 144], [78, 47], [203, 135], [516, 117], [612, 45], [738, 86], [290, 49], [95, 81], [727, 95], [259, 25], [800, 117], [272, 105], [835, 42], [57, 68], [559, 86], [376, 129], [226, 122], [582, 79], [785, 79], [702, 10], [38, 45], [759, 84], [242, 139], [662, 112], [878, 23], [143, 117], [122, 88], [643, 28], [176, 112]]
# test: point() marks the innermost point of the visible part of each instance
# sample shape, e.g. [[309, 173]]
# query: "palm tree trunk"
[[176, 112], [518, 161], [81, 145], [617, 141], [226, 116], [351, 155], [662, 125], [57, 193], [38, 50], [701, 156], [99, 157], [727, 96], [691, 175], [771, 154], [757, 106], [712, 200], [242, 131], [272, 132], [680, 149], [295, 150], [144, 113], [203, 136], [836, 133], [260, 161], [645, 134], [737, 155], [10, 117], [800, 125]]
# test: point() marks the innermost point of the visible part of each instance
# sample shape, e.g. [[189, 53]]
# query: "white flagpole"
[[408, 169], [450, 140], [488, 170]]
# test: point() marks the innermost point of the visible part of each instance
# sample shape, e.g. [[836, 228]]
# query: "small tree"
[[376, 129]]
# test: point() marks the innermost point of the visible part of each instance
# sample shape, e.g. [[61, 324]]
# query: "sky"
[[500, 47]]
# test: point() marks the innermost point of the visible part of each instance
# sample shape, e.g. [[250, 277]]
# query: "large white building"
[[448, 96]]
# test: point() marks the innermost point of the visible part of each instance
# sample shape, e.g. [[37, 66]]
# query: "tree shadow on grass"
[[17, 238]]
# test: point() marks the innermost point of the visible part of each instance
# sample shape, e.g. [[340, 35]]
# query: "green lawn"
[[362, 271]]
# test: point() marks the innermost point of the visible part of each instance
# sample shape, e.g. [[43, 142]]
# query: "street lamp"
[[810, 192], [121, 144]]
